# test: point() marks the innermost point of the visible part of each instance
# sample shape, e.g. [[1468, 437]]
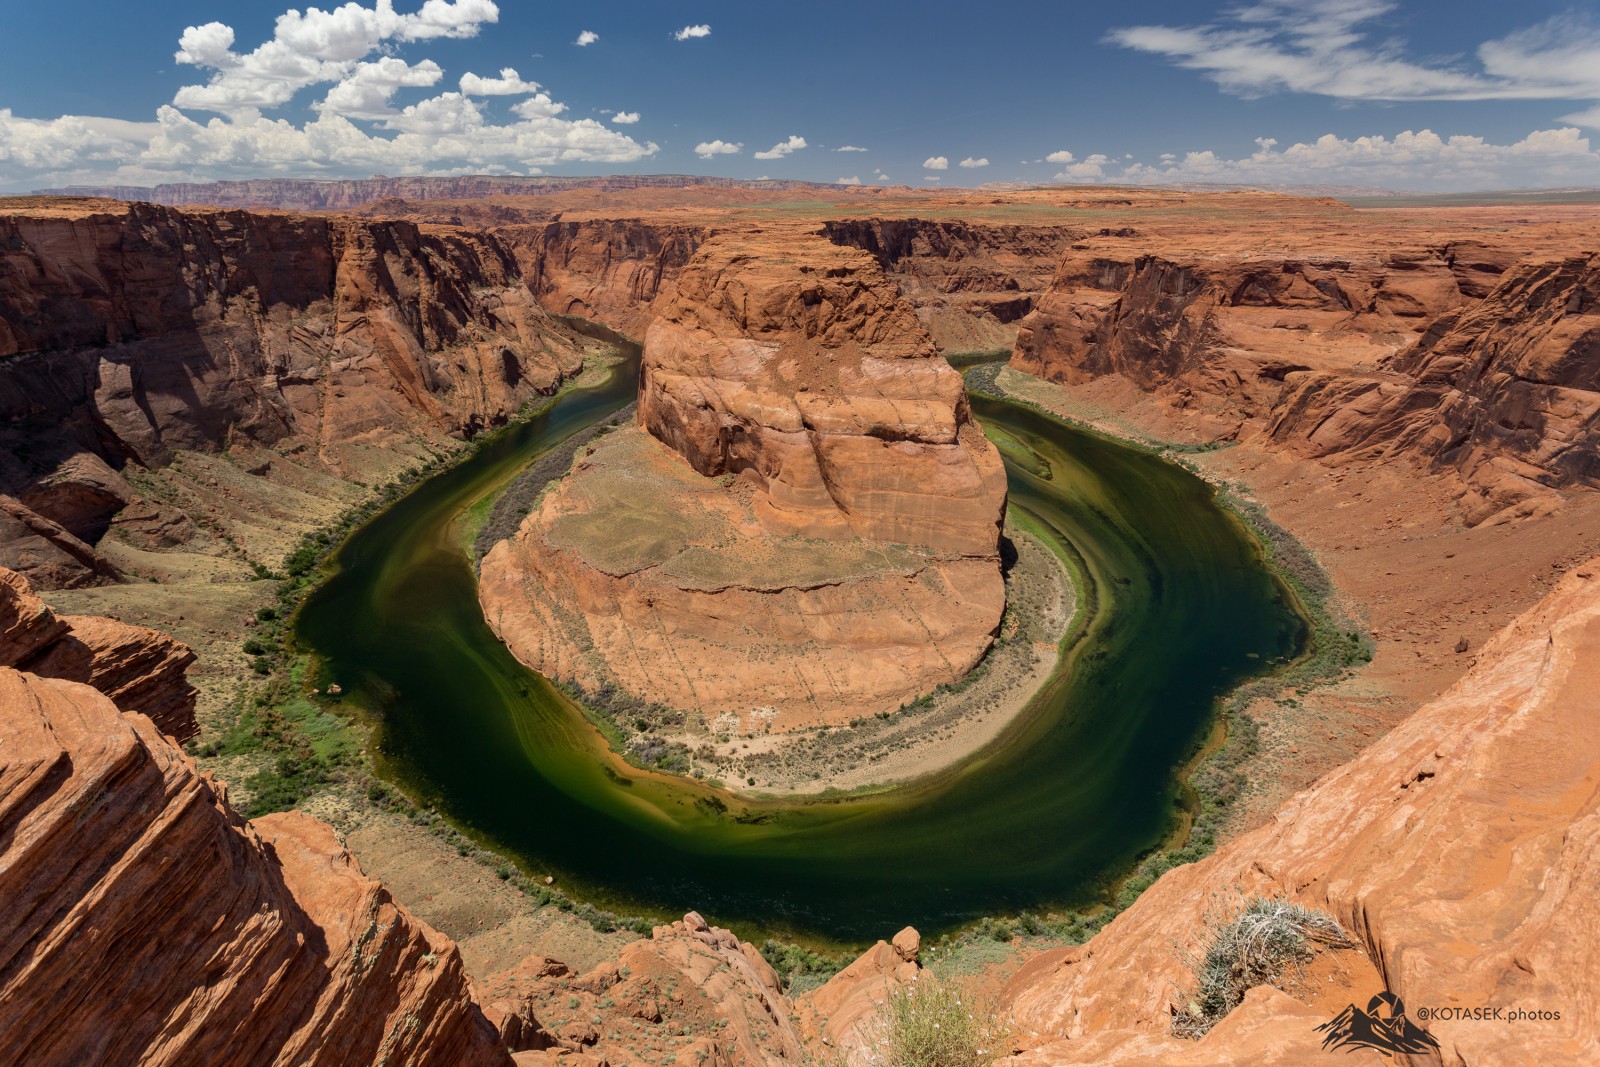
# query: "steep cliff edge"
[[1454, 357], [146, 923], [1460, 849], [970, 282], [141, 670], [1504, 392], [609, 270], [130, 334], [805, 528]]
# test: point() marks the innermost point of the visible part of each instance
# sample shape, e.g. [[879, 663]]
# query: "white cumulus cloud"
[[783, 148], [848, 181], [1412, 159], [625, 118], [1062, 156], [310, 48], [586, 38], [358, 129], [1092, 167], [509, 83], [936, 163], [688, 32], [719, 147], [972, 164], [849, 148], [365, 92]]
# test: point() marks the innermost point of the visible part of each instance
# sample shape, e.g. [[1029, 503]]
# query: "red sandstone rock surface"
[[609, 270], [141, 670], [811, 376], [145, 923], [691, 994], [831, 548], [131, 332], [1461, 355], [1460, 849], [838, 1014]]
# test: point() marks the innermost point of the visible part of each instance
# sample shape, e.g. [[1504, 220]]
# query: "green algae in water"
[[1181, 608]]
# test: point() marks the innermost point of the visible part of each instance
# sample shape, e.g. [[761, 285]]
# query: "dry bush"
[[936, 1024], [1266, 938]]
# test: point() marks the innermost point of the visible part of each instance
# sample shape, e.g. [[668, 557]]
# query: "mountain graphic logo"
[[1383, 1027]]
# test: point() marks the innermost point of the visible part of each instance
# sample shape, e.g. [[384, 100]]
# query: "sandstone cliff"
[[1504, 392], [811, 529], [303, 194], [141, 670], [609, 270], [970, 282], [132, 333], [147, 924], [1452, 356], [1460, 850]]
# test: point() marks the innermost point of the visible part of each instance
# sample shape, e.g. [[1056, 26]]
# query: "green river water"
[[1181, 605]]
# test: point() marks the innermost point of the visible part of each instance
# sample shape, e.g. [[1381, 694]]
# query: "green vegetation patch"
[[931, 1023]]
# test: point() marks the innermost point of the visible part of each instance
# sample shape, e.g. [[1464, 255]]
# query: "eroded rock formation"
[[807, 526], [970, 282], [609, 270], [691, 991], [130, 333], [146, 923], [141, 670], [1460, 849], [1452, 357]]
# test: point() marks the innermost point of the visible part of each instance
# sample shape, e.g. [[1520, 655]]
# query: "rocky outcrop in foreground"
[[130, 333], [806, 530], [146, 923], [141, 670], [1460, 849], [691, 994]]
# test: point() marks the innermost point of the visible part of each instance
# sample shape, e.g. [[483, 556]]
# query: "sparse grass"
[[800, 969], [1268, 937], [931, 1023]]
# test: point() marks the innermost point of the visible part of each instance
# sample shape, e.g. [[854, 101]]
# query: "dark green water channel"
[[1051, 814]]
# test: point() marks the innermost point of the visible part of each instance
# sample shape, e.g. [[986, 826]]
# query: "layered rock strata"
[[140, 669], [146, 923], [1452, 357], [131, 333], [804, 529], [609, 270], [1460, 849], [970, 282]]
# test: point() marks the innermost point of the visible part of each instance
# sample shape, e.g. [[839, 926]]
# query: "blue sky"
[[1415, 95]]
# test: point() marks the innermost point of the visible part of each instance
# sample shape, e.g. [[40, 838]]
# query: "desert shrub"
[[1267, 938], [930, 1023], [798, 967]]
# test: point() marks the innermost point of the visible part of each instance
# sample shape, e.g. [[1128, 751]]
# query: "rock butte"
[[804, 528], [1443, 359]]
